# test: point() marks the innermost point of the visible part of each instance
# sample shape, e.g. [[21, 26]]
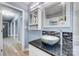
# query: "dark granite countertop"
[[52, 50]]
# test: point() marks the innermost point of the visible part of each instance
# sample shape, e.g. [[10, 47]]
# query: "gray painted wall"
[[26, 33], [33, 35]]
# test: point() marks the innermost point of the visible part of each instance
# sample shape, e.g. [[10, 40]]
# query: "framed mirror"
[[55, 15]]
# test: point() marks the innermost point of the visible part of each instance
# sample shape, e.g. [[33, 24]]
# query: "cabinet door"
[[1, 37], [35, 19], [33, 51]]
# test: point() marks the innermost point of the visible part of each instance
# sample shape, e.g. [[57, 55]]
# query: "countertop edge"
[[42, 49]]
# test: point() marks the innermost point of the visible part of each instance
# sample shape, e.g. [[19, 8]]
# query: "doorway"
[[5, 30], [11, 20]]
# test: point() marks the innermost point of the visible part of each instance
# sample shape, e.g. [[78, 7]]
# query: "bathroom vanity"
[[39, 48]]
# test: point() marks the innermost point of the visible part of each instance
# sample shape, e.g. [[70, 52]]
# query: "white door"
[[1, 36]]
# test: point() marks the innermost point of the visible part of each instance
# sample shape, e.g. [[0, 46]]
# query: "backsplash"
[[67, 47], [54, 33]]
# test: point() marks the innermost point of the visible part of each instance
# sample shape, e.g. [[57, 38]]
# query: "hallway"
[[13, 48]]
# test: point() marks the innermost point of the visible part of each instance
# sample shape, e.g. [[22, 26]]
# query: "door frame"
[[22, 37], [1, 34]]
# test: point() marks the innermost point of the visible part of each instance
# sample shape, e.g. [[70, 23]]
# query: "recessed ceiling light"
[[7, 13], [62, 3]]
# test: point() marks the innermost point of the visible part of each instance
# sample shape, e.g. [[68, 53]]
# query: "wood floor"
[[12, 48]]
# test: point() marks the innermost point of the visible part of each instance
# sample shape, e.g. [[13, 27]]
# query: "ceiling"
[[19, 3], [9, 13], [22, 5]]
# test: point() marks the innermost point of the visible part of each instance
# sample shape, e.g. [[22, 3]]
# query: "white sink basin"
[[51, 40]]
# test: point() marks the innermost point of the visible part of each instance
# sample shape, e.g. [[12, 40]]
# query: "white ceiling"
[[22, 5], [7, 15]]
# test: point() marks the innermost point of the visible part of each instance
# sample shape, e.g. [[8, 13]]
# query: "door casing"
[[22, 37], [1, 34]]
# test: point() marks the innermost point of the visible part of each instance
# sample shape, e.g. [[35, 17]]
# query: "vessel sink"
[[51, 40]]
